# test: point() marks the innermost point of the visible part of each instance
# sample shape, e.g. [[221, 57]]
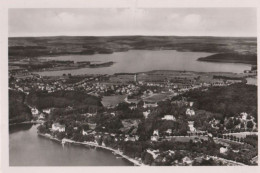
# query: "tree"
[[230, 124], [250, 124]]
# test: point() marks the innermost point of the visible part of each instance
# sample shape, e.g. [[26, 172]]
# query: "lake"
[[146, 60], [26, 148]]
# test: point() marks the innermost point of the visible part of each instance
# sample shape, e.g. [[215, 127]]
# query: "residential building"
[[58, 127]]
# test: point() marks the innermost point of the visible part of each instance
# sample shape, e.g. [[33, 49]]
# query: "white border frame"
[[6, 4]]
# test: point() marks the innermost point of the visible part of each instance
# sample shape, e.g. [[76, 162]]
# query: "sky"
[[234, 22]]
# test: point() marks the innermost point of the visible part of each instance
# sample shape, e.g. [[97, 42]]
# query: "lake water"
[[147, 60], [26, 148]]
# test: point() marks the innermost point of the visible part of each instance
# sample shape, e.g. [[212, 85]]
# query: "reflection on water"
[[147, 60], [26, 148], [19, 127]]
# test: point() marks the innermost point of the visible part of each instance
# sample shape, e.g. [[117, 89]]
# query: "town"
[[149, 118]]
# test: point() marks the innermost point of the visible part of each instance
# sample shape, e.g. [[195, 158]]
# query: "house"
[[150, 104], [155, 136], [130, 138], [169, 131], [214, 123], [169, 117], [41, 116], [156, 132], [223, 150], [84, 132], [48, 111], [254, 160], [191, 126], [92, 126], [146, 114], [244, 116], [133, 107], [35, 111], [190, 112], [58, 127], [191, 104], [187, 160]]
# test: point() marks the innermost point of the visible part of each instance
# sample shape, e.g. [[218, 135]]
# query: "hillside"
[[18, 110], [231, 58], [62, 99], [228, 101]]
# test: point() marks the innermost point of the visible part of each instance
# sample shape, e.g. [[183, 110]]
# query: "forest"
[[18, 110], [62, 99], [229, 101]]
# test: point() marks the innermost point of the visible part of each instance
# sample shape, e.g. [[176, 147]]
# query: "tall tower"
[[135, 78]]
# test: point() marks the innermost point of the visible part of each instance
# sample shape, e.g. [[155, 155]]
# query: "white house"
[[48, 111], [41, 116], [187, 160], [35, 111], [154, 138], [191, 126], [133, 107], [156, 132], [58, 127], [223, 150], [150, 104], [244, 116], [169, 117], [191, 104], [169, 131], [130, 138], [84, 132], [146, 114], [190, 112]]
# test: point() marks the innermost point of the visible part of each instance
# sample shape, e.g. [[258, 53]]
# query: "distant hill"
[[20, 47], [231, 58]]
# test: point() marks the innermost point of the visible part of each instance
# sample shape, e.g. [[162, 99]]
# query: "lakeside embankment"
[[117, 152], [26, 122]]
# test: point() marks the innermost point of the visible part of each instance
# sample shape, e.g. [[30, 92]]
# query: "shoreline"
[[117, 152], [26, 122]]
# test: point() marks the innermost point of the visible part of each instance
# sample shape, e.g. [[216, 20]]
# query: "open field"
[[112, 100]]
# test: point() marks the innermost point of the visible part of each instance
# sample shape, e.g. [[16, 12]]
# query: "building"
[[146, 114], [132, 138], [190, 112], [187, 160], [223, 150], [133, 107], [156, 132], [169, 131], [41, 116], [135, 78], [35, 111], [150, 104], [154, 138], [169, 117], [244, 116], [58, 127], [47, 111], [191, 126]]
